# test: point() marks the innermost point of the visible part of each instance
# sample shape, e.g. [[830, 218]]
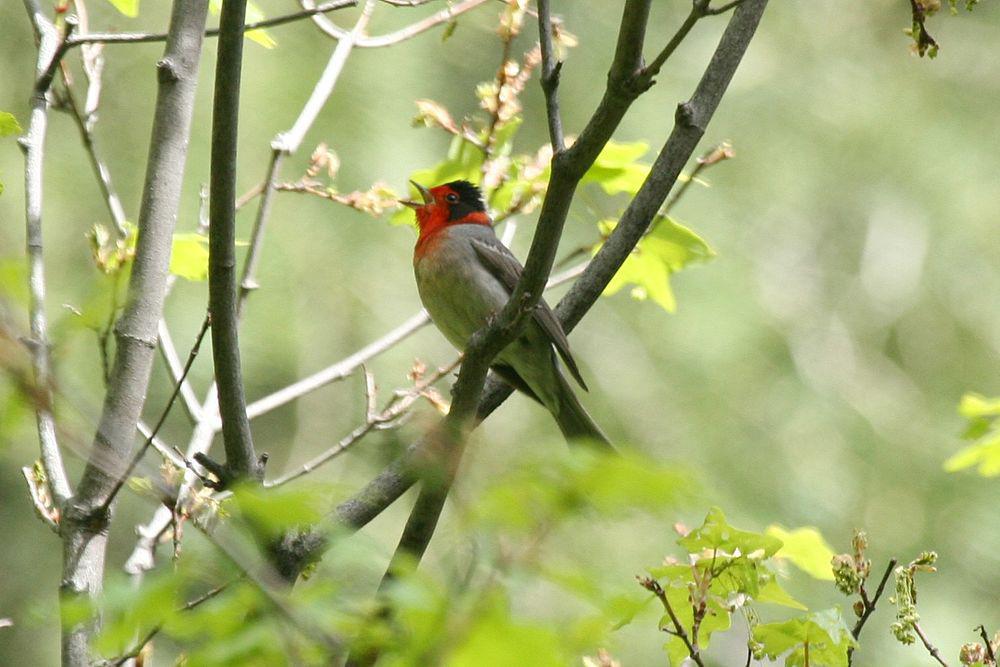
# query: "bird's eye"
[[452, 198]]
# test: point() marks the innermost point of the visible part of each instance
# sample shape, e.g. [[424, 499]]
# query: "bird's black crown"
[[468, 194]]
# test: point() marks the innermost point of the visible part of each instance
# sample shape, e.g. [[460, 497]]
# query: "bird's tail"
[[574, 421]]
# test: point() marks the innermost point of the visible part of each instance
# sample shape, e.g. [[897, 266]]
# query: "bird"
[[465, 275]]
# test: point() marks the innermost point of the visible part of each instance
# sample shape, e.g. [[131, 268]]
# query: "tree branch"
[[143, 37], [550, 76], [163, 418], [33, 145], [84, 525], [653, 586], [869, 605], [397, 36], [241, 460], [931, 649]]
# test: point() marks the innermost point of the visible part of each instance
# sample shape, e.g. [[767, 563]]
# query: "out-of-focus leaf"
[[496, 640], [277, 510], [129, 8], [189, 256], [8, 124], [984, 430], [826, 633], [667, 249], [984, 454], [806, 549], [253, 15], [558, 488]]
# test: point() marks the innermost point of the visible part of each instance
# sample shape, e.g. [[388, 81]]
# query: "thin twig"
[[550, 76], [389, 417], [101, 171], [33, 146], [141, 644], [163, 418], [340, 370], [397, 36], [933, 650], [654, 587], [869, 605], [143, 37], [988, 644], [177, 372]]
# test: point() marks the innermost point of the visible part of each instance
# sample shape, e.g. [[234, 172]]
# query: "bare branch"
[[653, 586], [931, 649], [869, 605], [339, 370], [142, 557], [178, 371], [390, 417], [142, 37], [550, 76], [403, 34], [84, 525], [163, 418], [101, 171], [33, 145], [241, 459]]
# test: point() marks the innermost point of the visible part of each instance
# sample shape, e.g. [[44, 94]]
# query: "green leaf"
[[616, 169], [253, 15], [806, 549], [8, 124], [717, 535], [129, 8], [773, 592], [825, 633], [668, 248], [189, 256]]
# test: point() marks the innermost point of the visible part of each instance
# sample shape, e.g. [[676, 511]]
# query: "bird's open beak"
[[424, 193]]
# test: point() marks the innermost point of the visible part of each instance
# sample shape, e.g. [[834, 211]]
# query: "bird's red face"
[[455, 203]]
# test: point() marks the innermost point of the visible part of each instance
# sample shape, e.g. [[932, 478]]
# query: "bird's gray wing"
[[504, 266]]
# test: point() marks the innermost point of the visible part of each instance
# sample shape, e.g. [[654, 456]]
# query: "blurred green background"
[[809, 377]]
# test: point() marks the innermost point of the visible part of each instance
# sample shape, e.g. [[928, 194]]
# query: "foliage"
[[923, 43], [819, 638], [726, 570], [983, 429]]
